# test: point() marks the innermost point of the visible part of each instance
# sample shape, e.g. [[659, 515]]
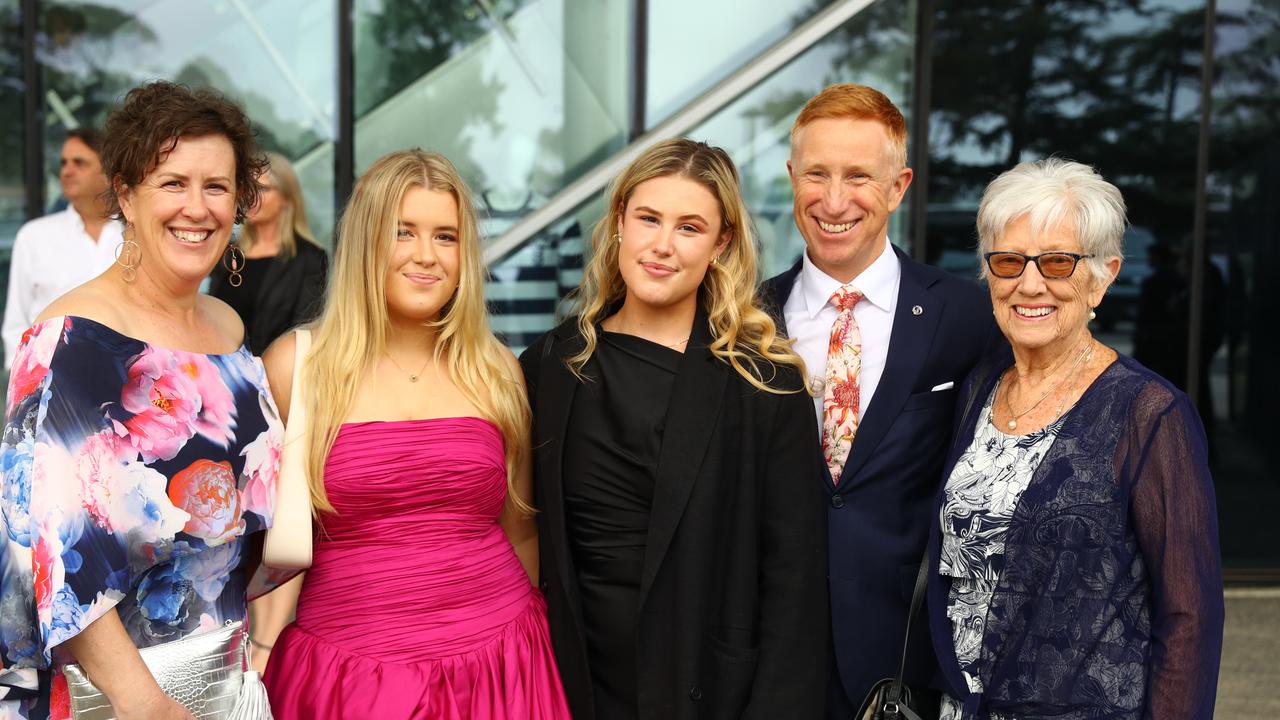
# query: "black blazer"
[[879, 514], [733, 606], [291, 294]]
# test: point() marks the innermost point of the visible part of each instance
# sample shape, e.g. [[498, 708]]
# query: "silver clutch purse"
[[204, 672]]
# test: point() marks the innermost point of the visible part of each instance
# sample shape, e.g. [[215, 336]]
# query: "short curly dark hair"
[[151, 120]]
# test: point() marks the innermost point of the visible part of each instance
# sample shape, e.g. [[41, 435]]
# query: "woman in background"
[[678, 479], [281, 281], [420, 600]]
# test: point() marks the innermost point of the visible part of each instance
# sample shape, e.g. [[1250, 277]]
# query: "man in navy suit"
[[920, 332]]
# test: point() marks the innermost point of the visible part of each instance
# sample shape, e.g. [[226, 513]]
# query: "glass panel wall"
[[526, 287], [681, 64], [12, 189], [1238, 342], [13, 201], [522, 96], [275, 57], [1112, 84]]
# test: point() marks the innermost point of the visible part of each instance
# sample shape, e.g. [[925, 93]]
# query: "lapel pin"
[[917, 310]]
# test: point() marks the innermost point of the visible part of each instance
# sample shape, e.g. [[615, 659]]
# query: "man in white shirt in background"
[[59, 251]]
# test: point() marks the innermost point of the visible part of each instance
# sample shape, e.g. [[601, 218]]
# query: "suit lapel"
[[774, 293], [909, 343], [696, 397], [556, 390]]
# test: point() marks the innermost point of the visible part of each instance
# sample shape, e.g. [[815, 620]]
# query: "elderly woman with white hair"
[[1075, 568]]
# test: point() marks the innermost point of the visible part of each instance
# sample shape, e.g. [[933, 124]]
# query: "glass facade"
[[276, 58], [528, 96], [13, 200], [1238, 344], [522, 96]]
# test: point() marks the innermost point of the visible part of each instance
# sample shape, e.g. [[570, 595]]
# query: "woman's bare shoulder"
[[93, 300]]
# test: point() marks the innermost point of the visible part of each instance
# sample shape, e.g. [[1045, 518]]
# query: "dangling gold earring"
[[617, 237], [128, 254], [232, 264]]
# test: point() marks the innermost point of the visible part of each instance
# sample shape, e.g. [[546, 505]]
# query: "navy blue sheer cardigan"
[[1110, 603]]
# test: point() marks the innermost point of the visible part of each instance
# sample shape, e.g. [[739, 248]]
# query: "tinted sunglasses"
[[1054, 265]]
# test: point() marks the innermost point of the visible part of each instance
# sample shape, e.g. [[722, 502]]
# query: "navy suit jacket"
[[880, 511]]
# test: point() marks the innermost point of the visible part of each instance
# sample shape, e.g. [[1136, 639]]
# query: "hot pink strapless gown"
[[416, 605]]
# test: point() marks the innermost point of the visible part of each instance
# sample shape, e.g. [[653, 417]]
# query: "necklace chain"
[[678, 342], [1084, 355], [413, 377]]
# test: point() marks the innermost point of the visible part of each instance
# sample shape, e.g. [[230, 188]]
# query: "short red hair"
[[857, 102]]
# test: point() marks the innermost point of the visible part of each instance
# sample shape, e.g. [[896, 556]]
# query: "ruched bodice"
[[414, 581], [416, 527]]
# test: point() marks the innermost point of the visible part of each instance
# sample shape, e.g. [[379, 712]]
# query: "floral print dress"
[[132, 476], [980, 497]]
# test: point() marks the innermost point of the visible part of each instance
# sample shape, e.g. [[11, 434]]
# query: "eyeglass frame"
[[1028, 259]]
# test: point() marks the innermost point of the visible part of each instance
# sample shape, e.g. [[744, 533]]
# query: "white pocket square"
[[943, 386]]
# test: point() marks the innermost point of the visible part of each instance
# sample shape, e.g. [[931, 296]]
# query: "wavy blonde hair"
[[351, 333], [744, 336], [291, 225]]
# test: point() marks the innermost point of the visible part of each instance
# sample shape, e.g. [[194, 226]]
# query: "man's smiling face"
[[845, 185]]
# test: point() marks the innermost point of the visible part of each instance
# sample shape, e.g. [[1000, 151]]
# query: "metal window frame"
[[811, 32], [344, 144], [921, 106], [1199, 233], [32, 125]]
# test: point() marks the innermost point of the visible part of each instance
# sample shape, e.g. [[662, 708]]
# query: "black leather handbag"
[[890, 698]]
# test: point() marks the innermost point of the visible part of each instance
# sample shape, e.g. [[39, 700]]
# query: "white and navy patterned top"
[[981, 495]]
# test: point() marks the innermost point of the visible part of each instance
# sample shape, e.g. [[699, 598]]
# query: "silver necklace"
[[678, 342], [413, 377], [1008, 404]]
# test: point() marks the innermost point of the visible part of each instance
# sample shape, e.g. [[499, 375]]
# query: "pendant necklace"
[[1008, 404], [413, 377]]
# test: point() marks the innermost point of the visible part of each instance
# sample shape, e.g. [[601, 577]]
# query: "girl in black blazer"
[[677, 476]]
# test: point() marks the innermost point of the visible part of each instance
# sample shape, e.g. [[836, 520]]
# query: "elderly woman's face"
[[1035, 312], [183, 210]]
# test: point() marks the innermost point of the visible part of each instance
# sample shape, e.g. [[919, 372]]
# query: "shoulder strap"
[[302, 345], [917, 599], [288, 541]]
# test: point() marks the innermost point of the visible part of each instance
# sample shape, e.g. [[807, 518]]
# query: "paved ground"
[[1249, 684]]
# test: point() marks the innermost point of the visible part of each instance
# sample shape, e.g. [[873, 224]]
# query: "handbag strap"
[[288, 540], [917, 599], [302, 345]]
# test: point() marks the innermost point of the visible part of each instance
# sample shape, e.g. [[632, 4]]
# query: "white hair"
[[1053, 193]]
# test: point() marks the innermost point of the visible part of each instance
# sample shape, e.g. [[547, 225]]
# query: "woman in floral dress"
[[141, 445]]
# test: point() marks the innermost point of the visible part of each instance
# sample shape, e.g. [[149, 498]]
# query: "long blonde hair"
[[351, 333], [743, 335], [291, 225]]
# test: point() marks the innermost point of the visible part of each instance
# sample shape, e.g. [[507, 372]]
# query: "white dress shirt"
[[51, 255], [810, 315]]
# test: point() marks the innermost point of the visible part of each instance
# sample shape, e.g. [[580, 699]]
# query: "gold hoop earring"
[[128, 256], [715, 263], [232, 265]]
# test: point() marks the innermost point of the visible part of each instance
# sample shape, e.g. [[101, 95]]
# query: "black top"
[[241, 299], [288, 293], [610, 453]]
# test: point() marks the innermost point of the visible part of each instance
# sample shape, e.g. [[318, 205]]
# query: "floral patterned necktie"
[[841, 391]]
